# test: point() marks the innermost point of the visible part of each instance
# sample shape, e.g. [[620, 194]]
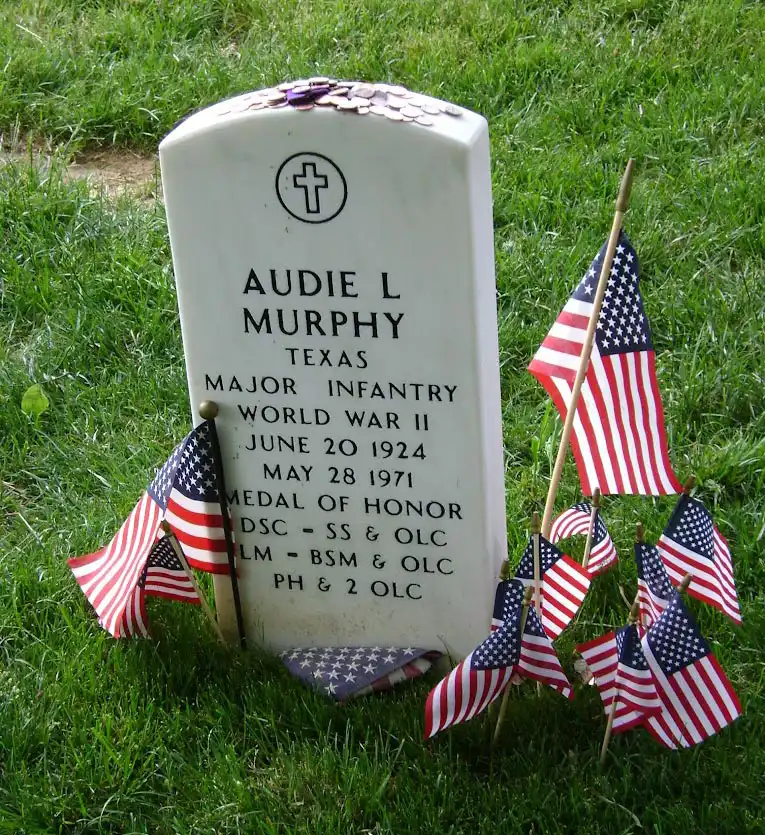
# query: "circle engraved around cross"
[[311, 187]]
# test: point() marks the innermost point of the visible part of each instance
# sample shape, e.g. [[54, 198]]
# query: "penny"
[[393, 115], [364, 110], [451, 110], [364, 91], [324, 100], [319, 79], [276, 97], [396, 103], [412, 112], [431, 109], [301, 88], [307, 106], [378, 110], [424, 120], [288, 85]]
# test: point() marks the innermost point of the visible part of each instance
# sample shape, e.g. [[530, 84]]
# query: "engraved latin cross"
[[311, 183]]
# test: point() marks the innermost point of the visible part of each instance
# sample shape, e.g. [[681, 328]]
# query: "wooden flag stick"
[[192, 579], [504, 574], [622, 202], [633, 618], [506, 695], [591, 529], [208, 410], [537, 563], [537, 573], [689, 485]]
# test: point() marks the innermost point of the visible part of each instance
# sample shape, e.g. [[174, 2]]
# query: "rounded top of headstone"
[[208, 410], [387, 102]]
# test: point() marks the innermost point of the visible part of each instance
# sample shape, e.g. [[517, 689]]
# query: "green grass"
[[180, 735]]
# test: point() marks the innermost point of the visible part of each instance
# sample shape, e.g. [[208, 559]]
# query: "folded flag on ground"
[[624, 681], [691, 544], [619, 440], [480, 679], [654, 587], [347, 672], [696, 697], [576, 521], [564, 584], [135, 563]]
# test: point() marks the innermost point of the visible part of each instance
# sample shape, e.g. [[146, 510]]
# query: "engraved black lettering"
[[253, 284], [386, 292], [249, 319]]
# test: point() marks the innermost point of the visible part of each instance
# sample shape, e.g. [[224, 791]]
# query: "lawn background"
[[179, 735]]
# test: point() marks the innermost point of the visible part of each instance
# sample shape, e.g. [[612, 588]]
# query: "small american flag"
[[619, 440], [696, 697], [347, 672], [576, 520], [626, 685], [564, 584], [186, 489], [538, 658], [470, 688], [654, 587], [480, 679], [164, 575], [691, 544], [184, 493]]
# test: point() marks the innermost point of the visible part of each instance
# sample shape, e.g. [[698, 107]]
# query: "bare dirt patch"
[[118, 172], [111, 172]]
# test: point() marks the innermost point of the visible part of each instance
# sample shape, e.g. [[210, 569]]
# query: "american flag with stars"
[[691, 544], [619, 439], [347, 672], [164, 574], [696, 697], [576, 520], [480, 678], [183, 493], [626, 685], [564, 584], [654, 587], [186, 489]]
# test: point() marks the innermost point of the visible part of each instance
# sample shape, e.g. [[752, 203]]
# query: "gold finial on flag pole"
[[208, 410]]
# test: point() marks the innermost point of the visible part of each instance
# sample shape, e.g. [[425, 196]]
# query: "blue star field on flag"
[[345, 672], [503, 646]]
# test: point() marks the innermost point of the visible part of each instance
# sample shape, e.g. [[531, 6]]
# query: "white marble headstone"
[[335, 277]]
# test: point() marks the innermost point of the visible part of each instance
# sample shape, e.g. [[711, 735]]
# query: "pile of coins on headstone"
[[395, 103]]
